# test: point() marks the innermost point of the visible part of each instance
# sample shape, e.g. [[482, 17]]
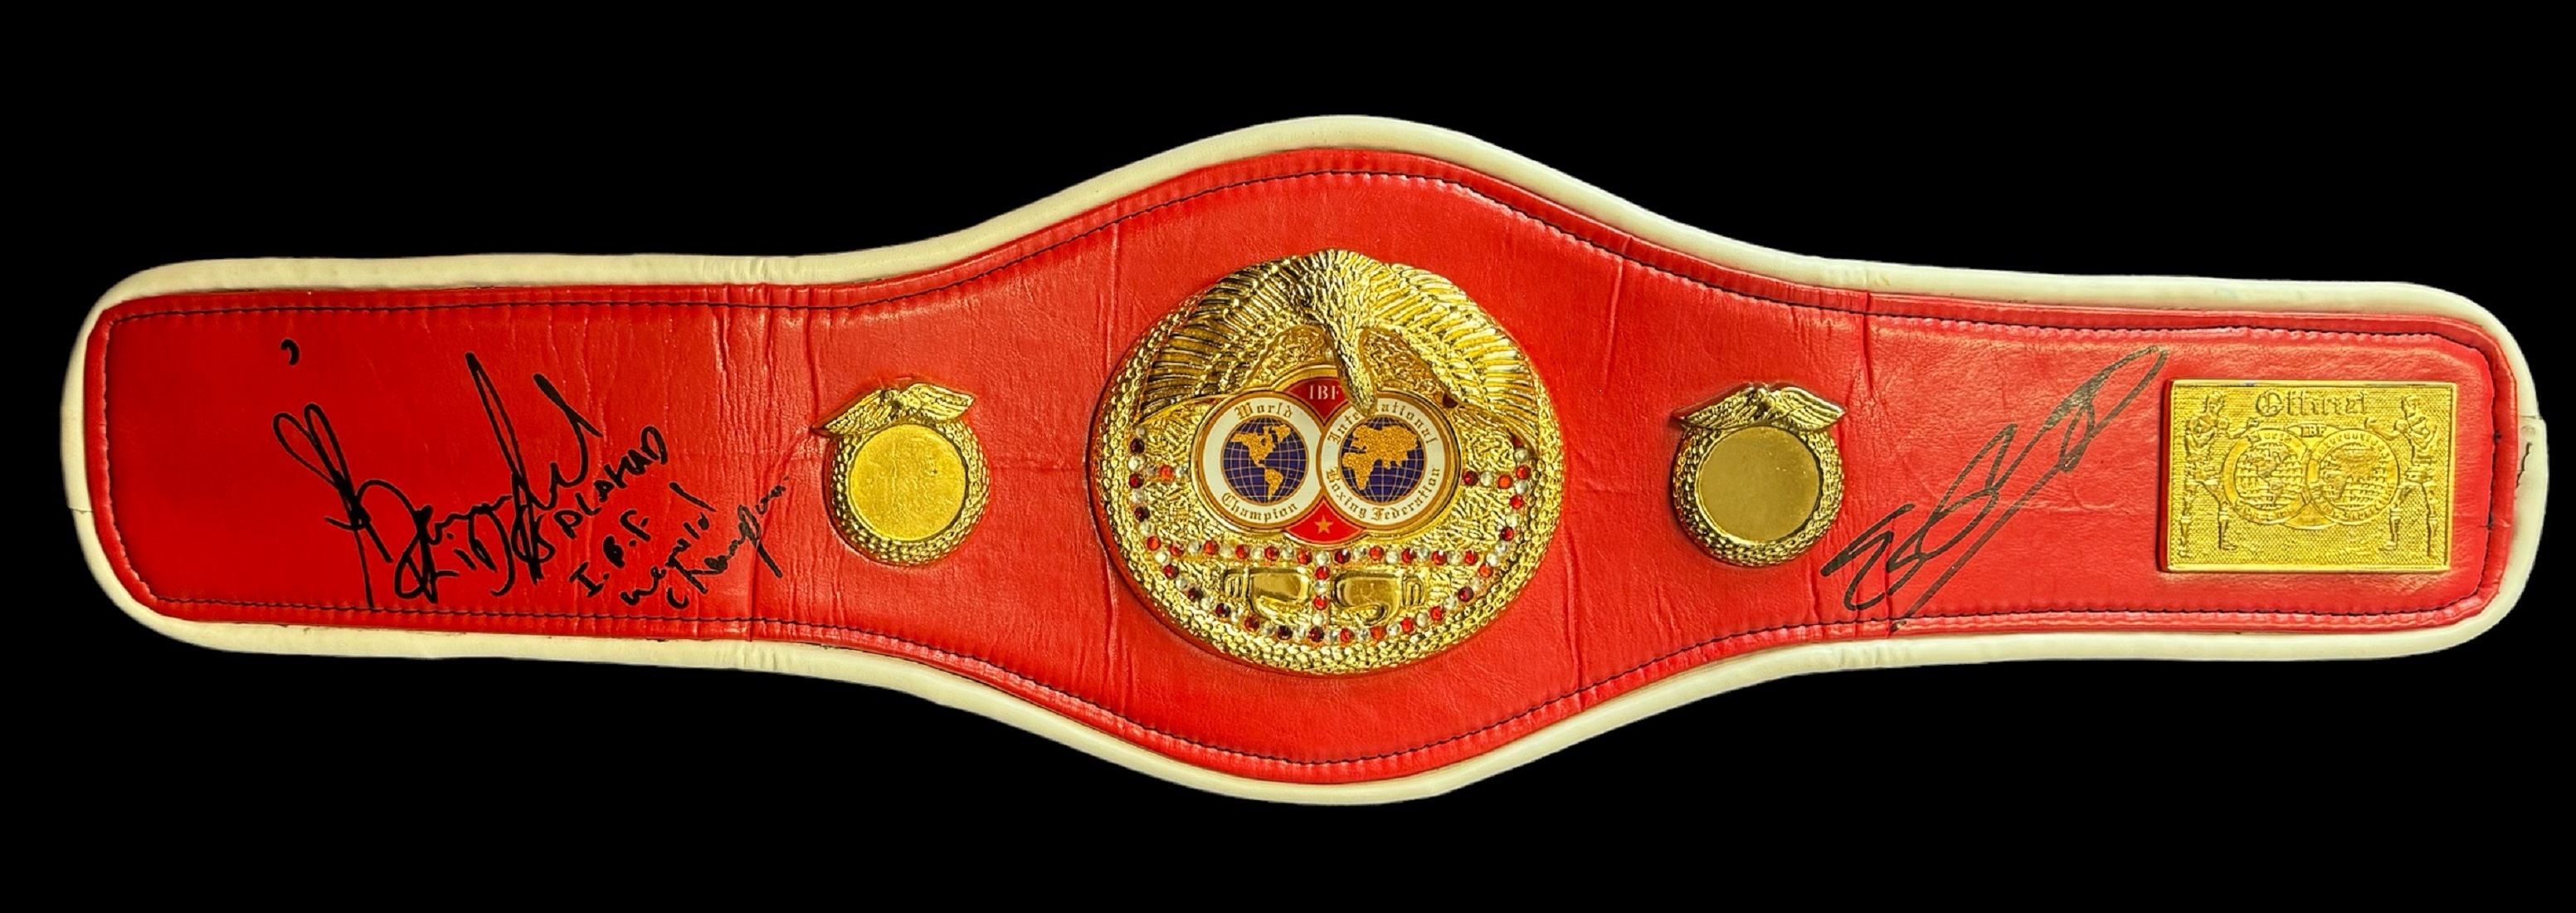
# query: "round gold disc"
[[907, 483], [1759, 484], [1757, 479]]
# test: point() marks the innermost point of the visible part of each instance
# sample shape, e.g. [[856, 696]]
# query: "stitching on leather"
[[1568, 233], [1186, 740], [107, 337]]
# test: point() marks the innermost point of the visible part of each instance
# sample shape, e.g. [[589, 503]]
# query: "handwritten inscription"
[[747, 530], [1965, 520], [570, 513]]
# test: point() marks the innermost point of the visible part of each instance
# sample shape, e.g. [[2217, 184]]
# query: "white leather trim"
[[1331, 132]]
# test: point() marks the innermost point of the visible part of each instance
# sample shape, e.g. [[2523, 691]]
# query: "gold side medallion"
[[2275, 475], [1758, 480], [908, 479], [1328, 464]]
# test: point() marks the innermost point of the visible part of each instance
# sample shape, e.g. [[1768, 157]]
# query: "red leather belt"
[[1339, 461]]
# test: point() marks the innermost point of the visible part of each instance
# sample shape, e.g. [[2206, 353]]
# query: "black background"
[[2286, 184]]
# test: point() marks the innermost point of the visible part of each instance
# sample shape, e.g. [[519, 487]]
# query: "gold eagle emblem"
[[908, 480], [1328, 464], [1758, 480]]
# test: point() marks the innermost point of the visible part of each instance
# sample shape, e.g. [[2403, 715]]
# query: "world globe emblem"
[[2268, 477], [1381, 459], [1265, 459], [2356, 477]]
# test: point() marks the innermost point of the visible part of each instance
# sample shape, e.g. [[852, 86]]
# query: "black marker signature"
[[2076, 421], [507, 535]]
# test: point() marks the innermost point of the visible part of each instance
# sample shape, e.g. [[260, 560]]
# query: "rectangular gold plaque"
[[2299, 475]]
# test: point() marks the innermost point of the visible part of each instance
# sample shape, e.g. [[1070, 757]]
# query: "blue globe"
[[1381, 459], [1265, 458]]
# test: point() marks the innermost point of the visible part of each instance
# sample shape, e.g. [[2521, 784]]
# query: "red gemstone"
[[1170, 572], [1502, 481], [1377, 553], [1439, 614], [1468, 477], [1283, 631], [1521, 471], [1507, 534], [1163, 472], [1135, 445], [1518, 502], [1196, 594], [1407, 623], [1270, 554], [1224, 611], [1251, 623], [1142, 513], [1242, 552], [1377, 632], [1346, 635], [1487, 571], [1135, 481], [1472, 558], [1315, 634], [1320, 602], [1176, 550], [1305, 557], [1465, 594], [1342, 556], [1210, 547], [1153, 543], [1408, 556], [1439, 558], [1323, 573]]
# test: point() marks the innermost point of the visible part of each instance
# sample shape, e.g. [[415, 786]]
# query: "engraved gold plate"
[[1758, 480], [1328, 464], [2271, 475], [908, 479]]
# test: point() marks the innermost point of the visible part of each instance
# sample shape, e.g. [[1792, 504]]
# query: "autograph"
[[510, 535], [2073, 425]]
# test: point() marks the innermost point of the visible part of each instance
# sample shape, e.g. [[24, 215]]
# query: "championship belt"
[[1337, 460]]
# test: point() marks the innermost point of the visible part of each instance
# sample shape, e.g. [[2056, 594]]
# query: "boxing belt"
[[1335, 460]]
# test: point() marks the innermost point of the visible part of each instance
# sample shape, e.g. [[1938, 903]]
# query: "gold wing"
[[1221, 341], [1467, 353], [866, 414], [1800, 410], [933, 401], [880, 408], [1741, 409], [1222, 344], [1783, 406]]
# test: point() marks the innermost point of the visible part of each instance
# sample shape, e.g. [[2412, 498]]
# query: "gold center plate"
[[907, 483], [1412, 502], [1759, 483], [2273, 475]]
